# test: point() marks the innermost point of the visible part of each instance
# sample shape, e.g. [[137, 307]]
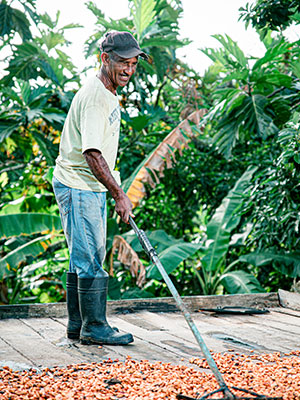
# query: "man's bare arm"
[[100, 169]]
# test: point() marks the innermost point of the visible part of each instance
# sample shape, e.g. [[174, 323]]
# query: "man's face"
[[120, 69]]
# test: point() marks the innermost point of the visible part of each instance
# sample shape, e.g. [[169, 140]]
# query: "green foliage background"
[[224, 219]]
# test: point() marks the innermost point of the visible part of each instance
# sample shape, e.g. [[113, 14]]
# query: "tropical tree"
[[273, 207], [252, 103], [212, 270], [14, 22], [34, 102], [271, 15]]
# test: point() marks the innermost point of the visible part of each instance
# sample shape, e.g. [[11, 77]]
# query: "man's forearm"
[[100, 169]]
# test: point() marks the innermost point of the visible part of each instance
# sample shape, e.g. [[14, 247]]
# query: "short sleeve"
[[92, 128]]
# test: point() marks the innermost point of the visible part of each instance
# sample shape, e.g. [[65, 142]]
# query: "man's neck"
[[104, 78]]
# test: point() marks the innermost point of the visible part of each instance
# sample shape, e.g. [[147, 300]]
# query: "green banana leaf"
[[223, 222], [11, 261], [171, 257], [159, 239], [288, 263], [236, 282], [137, 293], [28, 224], [114, 291]]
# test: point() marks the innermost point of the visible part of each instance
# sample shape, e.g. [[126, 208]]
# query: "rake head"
[[229, 395]]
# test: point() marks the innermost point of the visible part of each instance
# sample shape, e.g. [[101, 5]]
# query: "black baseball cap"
[[123, 44]]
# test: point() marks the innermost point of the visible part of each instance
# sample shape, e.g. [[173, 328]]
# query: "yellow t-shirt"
[[93, 122]]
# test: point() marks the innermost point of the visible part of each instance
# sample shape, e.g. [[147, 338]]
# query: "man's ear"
[[105, 58]]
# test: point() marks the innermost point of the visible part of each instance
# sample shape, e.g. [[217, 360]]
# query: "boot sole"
[[91, 341], [73, 335]]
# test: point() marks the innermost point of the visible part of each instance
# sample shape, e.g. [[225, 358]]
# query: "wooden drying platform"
[[35, 335]]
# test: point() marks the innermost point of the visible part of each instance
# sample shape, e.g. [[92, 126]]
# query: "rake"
[[227, 392]]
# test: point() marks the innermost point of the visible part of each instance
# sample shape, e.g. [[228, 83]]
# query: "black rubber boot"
[[92, 302], [74, 317]]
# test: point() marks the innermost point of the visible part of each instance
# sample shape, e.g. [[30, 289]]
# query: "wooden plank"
[[10, 357], [91, 353], [33, 310], [287, 311], [47, 328], [54, 331], [219, 332], [291, 321], [283, 324], [140, 349], [31, 345], [195, 303], [218, 337], [261, 330], [238, 332], [289, 299], [182, 348], [166, 304]]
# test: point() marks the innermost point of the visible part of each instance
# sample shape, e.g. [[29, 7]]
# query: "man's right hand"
[[123, 207]]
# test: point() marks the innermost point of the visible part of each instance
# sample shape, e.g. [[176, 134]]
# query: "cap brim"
[[131, 53]]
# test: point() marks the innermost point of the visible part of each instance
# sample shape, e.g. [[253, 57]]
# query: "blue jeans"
[[83, 217]]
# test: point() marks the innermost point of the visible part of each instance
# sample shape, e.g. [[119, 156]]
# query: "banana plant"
[[172, 252], [286, 263], [212, 271], [25, 235], [273, 207]]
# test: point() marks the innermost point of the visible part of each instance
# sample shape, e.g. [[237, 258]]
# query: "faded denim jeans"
[[83, 217]]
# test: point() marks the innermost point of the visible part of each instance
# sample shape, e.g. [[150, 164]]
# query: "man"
[[84, 172]]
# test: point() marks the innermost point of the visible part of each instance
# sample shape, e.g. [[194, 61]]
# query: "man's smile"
[[124, 76]]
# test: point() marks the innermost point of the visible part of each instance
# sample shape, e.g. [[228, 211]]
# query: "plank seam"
[[19, 352]]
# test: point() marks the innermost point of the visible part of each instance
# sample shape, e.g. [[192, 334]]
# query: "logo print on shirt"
[[115, 115]]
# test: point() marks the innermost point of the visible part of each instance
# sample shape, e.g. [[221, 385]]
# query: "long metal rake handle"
[[154, 258]]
